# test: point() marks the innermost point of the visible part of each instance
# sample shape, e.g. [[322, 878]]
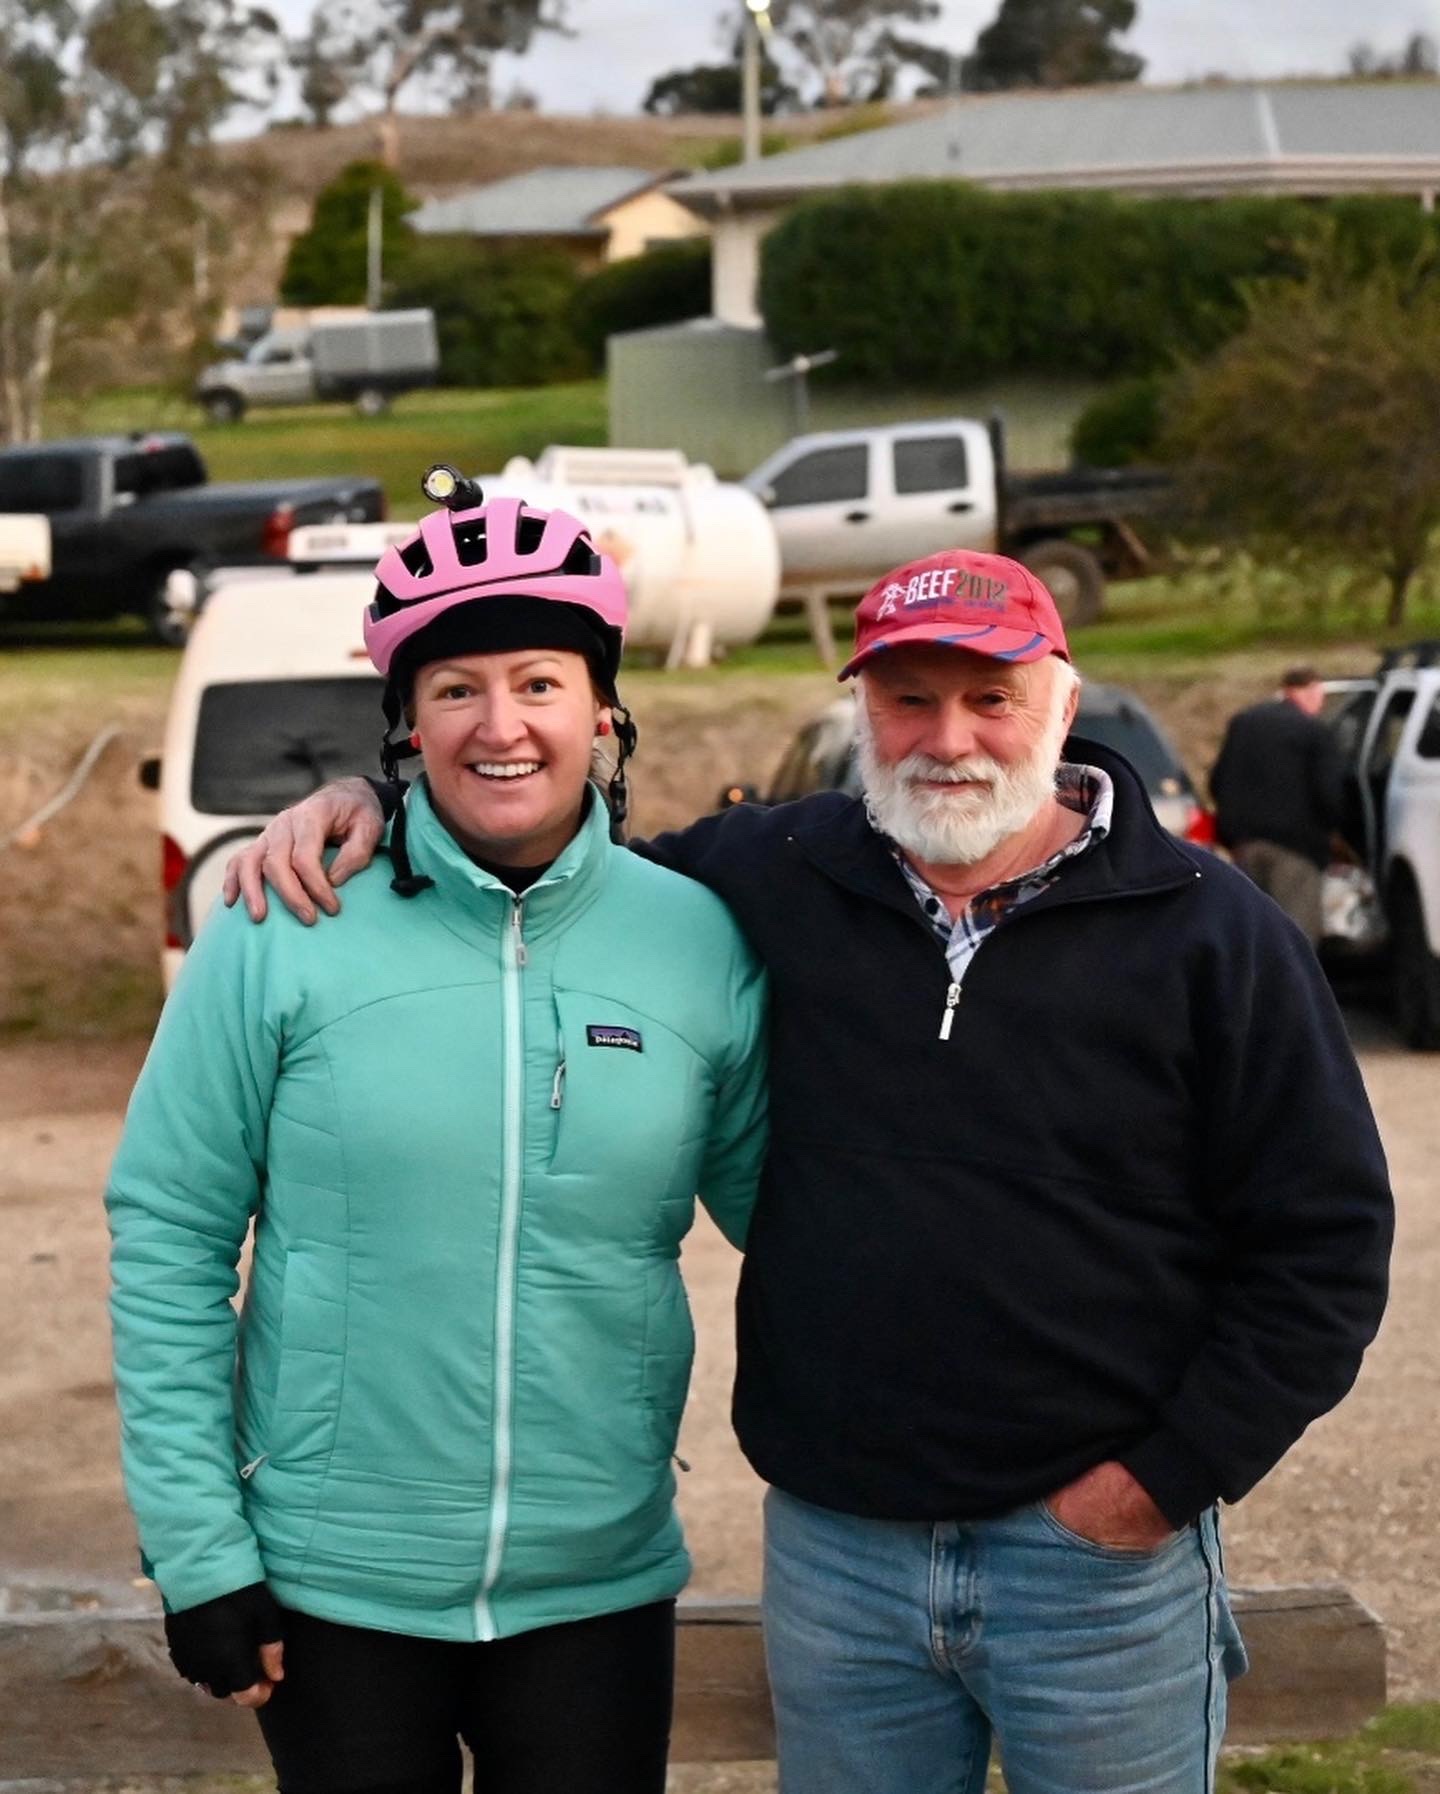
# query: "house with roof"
[[1309, 138], [598, 214]]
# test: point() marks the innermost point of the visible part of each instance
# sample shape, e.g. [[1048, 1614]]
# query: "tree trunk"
[[8, 318], [387, 138], [36, 381], [1400, 577]]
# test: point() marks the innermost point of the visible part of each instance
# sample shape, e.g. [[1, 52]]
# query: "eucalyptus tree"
[[107, 119]]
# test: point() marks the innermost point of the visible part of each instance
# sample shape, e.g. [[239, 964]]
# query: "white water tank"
[[700, 557]]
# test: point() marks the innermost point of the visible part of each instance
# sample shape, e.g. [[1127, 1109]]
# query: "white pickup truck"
[[366, 359], [1388, 726], [848, 504], [24, 549]]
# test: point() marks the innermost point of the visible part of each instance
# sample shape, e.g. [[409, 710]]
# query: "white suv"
[[275, 695], [1389, 729]]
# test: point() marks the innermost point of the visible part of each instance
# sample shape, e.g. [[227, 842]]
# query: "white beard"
[[962, 827]]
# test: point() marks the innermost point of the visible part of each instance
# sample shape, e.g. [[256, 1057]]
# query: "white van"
[[275, 695]]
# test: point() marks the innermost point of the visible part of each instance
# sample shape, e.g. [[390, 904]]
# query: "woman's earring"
[[603, 726], [415, 738]]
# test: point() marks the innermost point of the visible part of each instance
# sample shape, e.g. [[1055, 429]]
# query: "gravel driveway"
[[1358, 1501]]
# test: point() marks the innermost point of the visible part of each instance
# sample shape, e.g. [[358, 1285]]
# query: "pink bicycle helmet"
[[474, 553], [481, 578]]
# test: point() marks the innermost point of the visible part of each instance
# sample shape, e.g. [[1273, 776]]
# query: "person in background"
[[1074, 1216], [424, 1494], [1279, 794]]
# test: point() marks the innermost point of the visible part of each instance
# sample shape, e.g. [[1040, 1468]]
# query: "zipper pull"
[[681, 1462], [522, 954], [557, 1089], [947, 1020], [248, 1470]]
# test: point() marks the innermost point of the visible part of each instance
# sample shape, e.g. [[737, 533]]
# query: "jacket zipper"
[[952, 1003], [514, 957]]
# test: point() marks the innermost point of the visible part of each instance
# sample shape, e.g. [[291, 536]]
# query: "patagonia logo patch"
[[596, 1035]]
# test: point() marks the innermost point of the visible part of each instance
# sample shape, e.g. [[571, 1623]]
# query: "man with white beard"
[[1074, 1217]]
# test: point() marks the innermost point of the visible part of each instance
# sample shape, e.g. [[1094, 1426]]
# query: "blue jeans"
[[896, 1649]]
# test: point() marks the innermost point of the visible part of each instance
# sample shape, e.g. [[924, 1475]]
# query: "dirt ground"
[[79, 914], [1357, 1502]]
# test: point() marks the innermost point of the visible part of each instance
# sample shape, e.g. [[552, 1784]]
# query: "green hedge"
[[502, 315], [663, 286], [939, 281]]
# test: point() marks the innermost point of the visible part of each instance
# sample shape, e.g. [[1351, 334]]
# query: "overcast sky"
[[622, 44]]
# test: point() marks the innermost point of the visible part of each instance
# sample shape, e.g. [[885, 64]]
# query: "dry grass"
[[440, 154], [80, 922]]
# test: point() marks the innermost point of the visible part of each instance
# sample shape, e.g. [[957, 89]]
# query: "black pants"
[[582, 1708]]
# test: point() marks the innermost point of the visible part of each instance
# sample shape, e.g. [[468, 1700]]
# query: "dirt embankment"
[[80, 906]]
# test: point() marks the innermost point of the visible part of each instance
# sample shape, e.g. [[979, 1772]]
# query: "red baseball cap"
[[959, 599]]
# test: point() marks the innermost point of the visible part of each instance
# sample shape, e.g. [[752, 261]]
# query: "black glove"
[[217, 1644]]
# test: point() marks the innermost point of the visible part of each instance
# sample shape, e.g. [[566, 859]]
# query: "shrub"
[[873, 115], [502, 315], [939, 281], [1314, 427], [662, 286], [729, 152], [1121, 425]]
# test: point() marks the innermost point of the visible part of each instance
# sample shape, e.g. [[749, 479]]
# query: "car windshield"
[[261, 745]]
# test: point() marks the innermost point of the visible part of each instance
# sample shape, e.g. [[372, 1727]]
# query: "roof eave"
[[1313, 174], [597, 233], [658, 180]]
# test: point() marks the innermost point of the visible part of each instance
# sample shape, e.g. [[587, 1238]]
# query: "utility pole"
[[754, 31], [374, 235]]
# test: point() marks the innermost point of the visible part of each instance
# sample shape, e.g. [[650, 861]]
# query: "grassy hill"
[[440, 154]]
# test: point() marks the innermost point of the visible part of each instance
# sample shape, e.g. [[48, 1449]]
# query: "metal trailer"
[[368, 358]]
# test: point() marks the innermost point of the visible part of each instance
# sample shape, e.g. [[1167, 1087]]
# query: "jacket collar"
[[478, 899], [1137, 857]]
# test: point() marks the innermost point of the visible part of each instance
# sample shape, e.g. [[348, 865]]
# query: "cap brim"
[[1011, 645]]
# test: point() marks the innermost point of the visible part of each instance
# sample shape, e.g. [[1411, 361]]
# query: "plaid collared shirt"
[[1084, 789]]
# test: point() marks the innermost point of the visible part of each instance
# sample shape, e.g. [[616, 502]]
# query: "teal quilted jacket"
[[470, 1130]]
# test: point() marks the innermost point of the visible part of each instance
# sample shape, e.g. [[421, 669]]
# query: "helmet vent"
[[528, 533], [415, 557], [471, 545], [582, 558]]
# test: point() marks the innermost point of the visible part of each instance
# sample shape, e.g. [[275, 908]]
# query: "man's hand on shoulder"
[[1107, 1506], [289, 855]]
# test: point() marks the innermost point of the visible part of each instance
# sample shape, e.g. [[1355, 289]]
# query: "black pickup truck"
[[128, 511]]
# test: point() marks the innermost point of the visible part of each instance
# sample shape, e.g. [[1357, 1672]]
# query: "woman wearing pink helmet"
[[426, 1496]]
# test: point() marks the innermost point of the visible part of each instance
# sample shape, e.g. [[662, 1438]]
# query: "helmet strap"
[[406, 882], [618, 791]]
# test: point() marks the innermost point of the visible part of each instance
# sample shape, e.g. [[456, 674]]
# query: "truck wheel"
[[1414, 972], [224, 407], [1075, 578], [168, 616], [371, 402]]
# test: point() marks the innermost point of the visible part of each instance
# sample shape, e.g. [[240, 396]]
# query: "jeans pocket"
[[1115, 1553]]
